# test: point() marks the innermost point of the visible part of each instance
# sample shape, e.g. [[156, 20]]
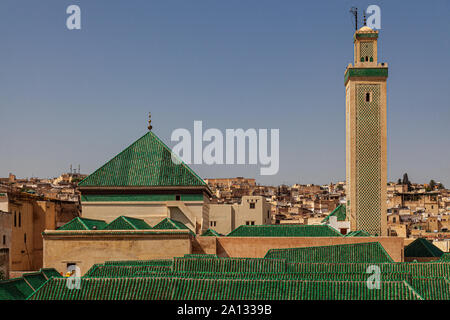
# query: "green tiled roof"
[[21, 288], [210, 233], [219, 265], [208, 289], [422, 269], [83, 224], [422, 248], [339, 212], [284, 231], [203, 276], [145, 163], [127, 223], [168, 224], [107, 271], [361, 252], [358, 233], [437, 288], [15, 289], [154, 262], [445, 257], [200, 256]]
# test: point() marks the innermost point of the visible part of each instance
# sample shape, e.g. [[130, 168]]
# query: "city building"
[[143, 181]]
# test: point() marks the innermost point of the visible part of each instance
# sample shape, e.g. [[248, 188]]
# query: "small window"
[[367, 58], [252, 223], [24, 238], [212, 223], [368, 97], [15, 219], [177, 197], [20, 220], [252, 205], [4, 240]]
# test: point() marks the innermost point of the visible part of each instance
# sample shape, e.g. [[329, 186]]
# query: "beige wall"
[[259, 215], [191, 213], [4, 263], [90, 247], [5, 229], [257, 247], [223, 216]]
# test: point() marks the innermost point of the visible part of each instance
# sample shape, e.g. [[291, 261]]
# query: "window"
[[368, 97], [252, 205], [24, 238], [178, 197], [4, 240], [212, 223], [15, 219], [250, 223], [20, 220]]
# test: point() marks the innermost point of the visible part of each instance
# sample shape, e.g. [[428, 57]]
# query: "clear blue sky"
[[80, 97]]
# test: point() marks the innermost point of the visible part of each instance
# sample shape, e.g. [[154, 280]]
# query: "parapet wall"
[[257, 247]]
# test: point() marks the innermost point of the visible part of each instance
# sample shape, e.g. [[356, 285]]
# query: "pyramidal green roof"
[[284, 231], [20, 288], [168, 224], [127, 223], [210, 233], [422, 248], [339, 212], [83, 224], [147, 162], [358, 233], [372, 252]]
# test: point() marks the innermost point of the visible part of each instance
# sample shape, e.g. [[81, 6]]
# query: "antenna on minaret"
[[149, 122], [354, 11]]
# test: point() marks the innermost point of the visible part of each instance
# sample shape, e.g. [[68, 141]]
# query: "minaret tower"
[[366, 162]]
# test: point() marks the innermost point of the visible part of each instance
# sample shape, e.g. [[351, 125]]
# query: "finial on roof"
[[364, 18], [149, 122]]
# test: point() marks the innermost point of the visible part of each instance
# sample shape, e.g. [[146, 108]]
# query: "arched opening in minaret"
[[368, 97]]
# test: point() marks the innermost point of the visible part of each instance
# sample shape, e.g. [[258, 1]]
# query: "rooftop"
[[147, 162]]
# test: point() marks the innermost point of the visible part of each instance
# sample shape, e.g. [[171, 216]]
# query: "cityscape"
[[149, 224]]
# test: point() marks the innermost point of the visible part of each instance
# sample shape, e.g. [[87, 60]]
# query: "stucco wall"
[[4, 263], [257, 247], [88, 250]]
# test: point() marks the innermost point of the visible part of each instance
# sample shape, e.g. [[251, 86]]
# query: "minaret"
[[366, 162]]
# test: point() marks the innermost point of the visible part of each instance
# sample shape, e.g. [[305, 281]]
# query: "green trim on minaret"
[[145, 163]]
